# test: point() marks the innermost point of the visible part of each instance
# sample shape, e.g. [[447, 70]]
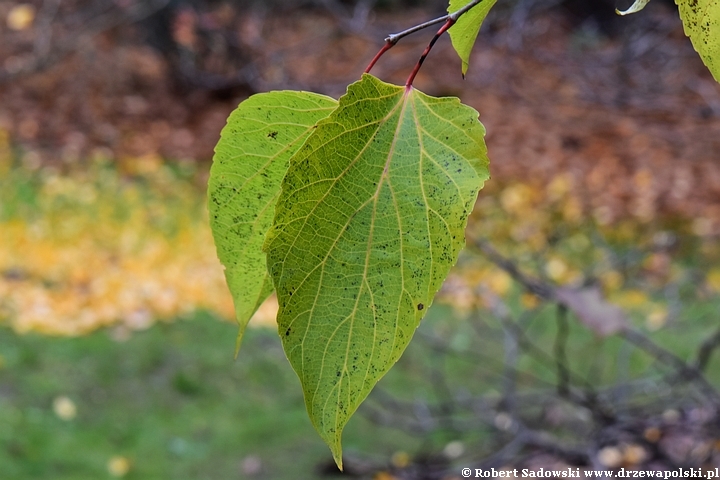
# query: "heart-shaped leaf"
[[370, 219]]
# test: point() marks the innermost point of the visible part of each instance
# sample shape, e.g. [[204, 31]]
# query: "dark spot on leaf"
[[272, 135], [420, 306]]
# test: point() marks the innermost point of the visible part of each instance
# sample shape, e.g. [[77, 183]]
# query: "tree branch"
[[448, 20], [706, 350], [395, 37], [683, 370]]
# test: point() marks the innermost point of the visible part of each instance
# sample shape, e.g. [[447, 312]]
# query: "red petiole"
[[449, 23]]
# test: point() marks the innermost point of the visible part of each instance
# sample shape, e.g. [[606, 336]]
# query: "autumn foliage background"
[[603, 135]]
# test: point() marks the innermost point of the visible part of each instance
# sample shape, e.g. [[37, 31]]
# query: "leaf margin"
[[277, 266], [249, 270]]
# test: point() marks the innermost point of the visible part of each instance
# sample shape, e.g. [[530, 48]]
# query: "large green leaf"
[[701, 21], [465, 31], [370, 219], [250, 161]]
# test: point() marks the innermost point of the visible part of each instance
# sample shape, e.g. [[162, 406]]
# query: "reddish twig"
[[388, 45], [449, 23]]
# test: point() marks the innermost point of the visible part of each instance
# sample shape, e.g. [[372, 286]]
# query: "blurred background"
[[578, 328]]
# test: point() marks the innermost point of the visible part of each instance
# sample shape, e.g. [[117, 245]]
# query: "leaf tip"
[[338, 462], [238, 340], [336, 450]]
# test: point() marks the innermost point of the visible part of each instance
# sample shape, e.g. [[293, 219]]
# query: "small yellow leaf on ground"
[[572, 210], [64, 408], [610, 457], [499, 282], [656, 319], [400, 459], [630, 298], [611, 280], [634, 454], [21, 17], [384, 476], [652, 434], [516, 198], [559, 186], [118, 466], [713, 279], [556, 269], [529, 301]]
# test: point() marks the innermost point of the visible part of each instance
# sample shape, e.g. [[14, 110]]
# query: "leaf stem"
[[388, 45], [394, 38], [448, 23]]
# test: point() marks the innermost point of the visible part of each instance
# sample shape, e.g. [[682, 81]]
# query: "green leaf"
[[250, 161], [465, 31], [634, 8], [370, 219], [701, 21]]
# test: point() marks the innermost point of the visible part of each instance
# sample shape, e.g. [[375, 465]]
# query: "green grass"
[[174, 401], [171, 399]]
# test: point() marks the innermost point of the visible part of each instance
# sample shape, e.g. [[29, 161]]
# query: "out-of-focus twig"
[[48, 52], [706, 350], [561, 338], [684, 372]]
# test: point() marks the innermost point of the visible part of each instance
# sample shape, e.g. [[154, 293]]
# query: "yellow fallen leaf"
[[529, 301], [656, 319], [20, 17], [556, 269], [64, 408], [516, 198], [400, 459], [118, 466], [610, 457], [572, 210], [559, 186], [611, 280], [630, 298], [713, 279], [499, 282]]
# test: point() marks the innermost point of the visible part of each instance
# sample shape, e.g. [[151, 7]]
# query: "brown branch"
[[563, 331], [539, 288], [706, 350], [395, 37], [684, 372]]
